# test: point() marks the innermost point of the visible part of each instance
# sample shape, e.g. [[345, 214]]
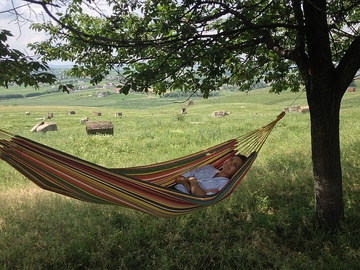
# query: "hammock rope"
[[144, 188]]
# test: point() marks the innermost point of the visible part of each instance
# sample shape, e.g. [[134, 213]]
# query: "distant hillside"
[[65, 66]]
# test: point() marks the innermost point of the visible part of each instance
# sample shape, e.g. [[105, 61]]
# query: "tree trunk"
[[324, 93], [324, 114]]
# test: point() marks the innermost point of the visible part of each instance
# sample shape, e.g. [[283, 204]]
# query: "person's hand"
[[180, 179], [213, 190], [195, 188], [192, 179]]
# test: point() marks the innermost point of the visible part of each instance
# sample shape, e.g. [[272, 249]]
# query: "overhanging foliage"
[[18, 68]]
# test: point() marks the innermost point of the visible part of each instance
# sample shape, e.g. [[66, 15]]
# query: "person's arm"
[[191, 185], [195, 189], [183, 181]]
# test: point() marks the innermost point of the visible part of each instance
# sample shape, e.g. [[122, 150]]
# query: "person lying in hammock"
[[207, 180]]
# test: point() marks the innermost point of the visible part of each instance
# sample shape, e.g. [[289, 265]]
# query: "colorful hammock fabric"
[[144, 188]]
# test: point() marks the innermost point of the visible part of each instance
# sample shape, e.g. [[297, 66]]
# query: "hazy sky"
[[22, 35]]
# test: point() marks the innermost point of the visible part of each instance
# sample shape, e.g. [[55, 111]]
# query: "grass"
[[266, 224]]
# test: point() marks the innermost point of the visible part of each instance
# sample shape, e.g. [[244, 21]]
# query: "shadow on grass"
[[266, 224]]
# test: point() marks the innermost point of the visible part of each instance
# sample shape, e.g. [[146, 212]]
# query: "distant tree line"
[[33, 94]]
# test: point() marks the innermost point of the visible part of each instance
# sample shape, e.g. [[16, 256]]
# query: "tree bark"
[[324, 93], [325, 144]]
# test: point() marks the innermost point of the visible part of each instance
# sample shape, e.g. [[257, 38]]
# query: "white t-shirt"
[[205, 178]]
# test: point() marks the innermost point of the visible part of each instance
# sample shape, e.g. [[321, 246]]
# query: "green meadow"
[[267, 223]]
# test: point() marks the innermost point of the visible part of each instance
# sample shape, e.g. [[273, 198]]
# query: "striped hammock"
[[144, 188]]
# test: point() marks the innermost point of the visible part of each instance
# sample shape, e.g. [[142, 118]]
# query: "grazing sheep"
[[217, 114], [84, 120]]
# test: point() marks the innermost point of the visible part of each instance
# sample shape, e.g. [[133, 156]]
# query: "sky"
[[22, 35]]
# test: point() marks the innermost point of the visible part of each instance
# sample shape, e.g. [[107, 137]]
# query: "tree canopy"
[[201, 45], [20, 69], [197, 45]]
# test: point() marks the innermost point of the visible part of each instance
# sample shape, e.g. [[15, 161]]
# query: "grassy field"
[[267, 223]]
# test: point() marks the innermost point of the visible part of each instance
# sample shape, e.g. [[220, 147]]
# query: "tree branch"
[[349, 64]]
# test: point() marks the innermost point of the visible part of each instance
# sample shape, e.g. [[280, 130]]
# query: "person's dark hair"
[[243, 158]]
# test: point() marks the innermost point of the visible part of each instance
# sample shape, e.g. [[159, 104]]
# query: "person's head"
[[243, 158], [232, 164]]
